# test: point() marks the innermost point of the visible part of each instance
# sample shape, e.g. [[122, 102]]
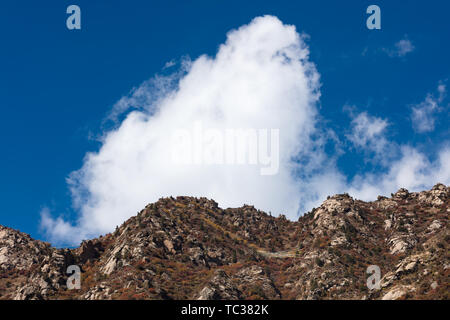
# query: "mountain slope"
[[189, 248]]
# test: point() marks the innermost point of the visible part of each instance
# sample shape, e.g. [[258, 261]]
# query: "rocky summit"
[[189, 248]]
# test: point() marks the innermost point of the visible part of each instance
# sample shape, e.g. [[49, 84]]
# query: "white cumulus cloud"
[[260, 78]]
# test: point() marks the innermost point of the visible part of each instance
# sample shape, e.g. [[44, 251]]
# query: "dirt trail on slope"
[[278, 254]]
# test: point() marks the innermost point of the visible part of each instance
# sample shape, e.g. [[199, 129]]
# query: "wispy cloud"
[[149, 95], [423, 115], [169, 64], [368, 133], [412, 170], [400, 48]]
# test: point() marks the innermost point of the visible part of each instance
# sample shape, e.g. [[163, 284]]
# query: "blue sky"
[[57, 86]]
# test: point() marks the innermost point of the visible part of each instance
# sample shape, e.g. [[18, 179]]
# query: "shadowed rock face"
[[189, 248]]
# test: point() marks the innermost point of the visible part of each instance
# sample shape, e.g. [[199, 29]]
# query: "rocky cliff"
[[189, 248]]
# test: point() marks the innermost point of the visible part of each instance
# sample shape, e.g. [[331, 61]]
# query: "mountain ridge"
[[190, 248]]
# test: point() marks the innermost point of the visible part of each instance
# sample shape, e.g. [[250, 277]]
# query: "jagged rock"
[[436, 196], [402, 193], [434, 225], [28, 292], [398, 292], [386, 204], [338, 240], [197, 256], [401, 243], [220, 287], [89, 250], [18, 250], [387, 279], [99, 292], [110, 266], [434, 285], [398, 245], [169, 246], [387, 224], [255, 276], [410, 263]]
